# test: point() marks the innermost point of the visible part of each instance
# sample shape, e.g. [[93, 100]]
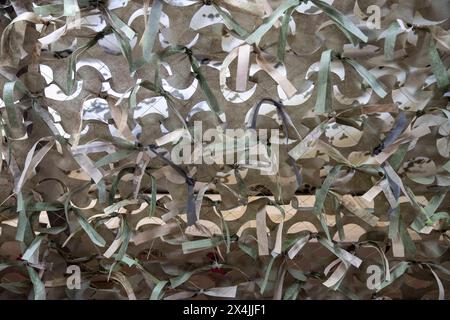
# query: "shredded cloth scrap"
[[224, 149]]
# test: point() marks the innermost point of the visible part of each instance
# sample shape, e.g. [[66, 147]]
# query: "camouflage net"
[[96, 96]]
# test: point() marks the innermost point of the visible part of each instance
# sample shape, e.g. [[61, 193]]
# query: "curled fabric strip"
[[356, 178], [190, 207]]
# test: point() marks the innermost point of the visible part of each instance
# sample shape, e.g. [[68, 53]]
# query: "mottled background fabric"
[[96, 94]]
